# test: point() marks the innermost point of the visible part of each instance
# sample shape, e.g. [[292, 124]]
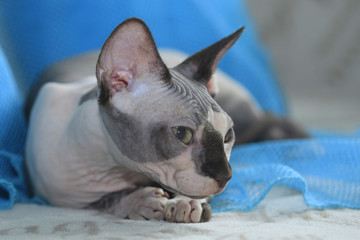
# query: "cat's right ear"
[[129, 53], [202, 65]]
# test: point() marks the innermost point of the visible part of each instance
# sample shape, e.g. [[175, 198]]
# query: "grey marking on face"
[[150, 142], [165, 144]]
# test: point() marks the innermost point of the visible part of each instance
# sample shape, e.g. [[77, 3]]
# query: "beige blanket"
[[282, 215]]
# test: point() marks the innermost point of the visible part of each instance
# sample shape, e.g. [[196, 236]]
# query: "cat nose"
[[224, 175], [220, 171], [223, 181]]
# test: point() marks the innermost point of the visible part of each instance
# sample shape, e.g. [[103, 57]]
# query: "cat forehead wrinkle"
[[193, 91]]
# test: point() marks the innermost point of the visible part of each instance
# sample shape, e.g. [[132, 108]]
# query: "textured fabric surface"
[[37, 34], [278, 218]]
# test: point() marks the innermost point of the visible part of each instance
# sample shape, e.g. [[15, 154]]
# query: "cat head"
[[163, 122]]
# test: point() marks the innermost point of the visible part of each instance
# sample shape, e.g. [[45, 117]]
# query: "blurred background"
[[315, 49], [307, 51]]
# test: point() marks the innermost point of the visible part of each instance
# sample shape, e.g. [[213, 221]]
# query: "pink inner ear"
[[128, 54], [119, 80]]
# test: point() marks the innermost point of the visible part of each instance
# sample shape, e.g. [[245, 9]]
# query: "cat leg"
[[139, 204]]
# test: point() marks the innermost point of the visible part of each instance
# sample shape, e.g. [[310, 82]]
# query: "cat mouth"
[[167, 188]]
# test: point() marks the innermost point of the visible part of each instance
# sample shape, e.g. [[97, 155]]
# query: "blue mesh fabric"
[[36, 34], [325, 169]]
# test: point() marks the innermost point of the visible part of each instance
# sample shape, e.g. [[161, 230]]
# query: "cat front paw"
[[182, 209], [144, 204], [151, 203]]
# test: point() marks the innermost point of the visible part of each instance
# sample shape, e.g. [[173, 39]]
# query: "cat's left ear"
[[201, 65], [128, 56]]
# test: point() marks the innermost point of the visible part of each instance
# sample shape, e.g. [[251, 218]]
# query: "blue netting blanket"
[[33, 35], [325, 169]]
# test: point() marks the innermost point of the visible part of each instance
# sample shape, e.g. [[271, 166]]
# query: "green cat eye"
[[228, 136], [184, 134]]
